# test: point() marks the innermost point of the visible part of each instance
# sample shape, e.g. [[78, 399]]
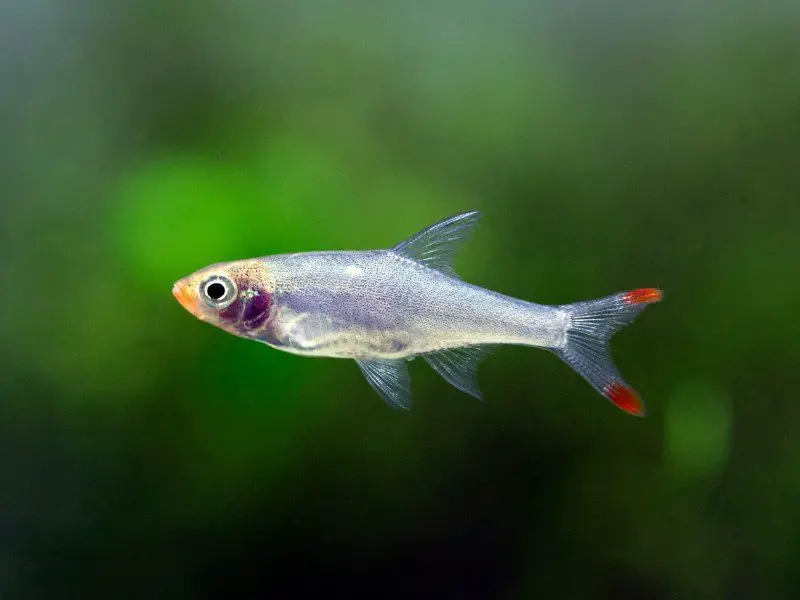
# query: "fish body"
[[383, 308], [379, 304]]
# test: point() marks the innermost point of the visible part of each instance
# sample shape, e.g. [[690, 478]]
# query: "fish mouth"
[[187, 300]]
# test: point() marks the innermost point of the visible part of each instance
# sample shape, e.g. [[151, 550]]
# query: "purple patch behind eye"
[[257, 311], [233, 312]]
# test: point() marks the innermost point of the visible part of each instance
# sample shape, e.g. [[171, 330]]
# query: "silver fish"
[[383, 308]]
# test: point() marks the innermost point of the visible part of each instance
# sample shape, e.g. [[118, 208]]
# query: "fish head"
[[234, 296]]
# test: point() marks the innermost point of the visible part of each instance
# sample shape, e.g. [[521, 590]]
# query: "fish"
[[384, 308]]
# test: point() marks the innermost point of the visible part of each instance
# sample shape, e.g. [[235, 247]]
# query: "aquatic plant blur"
[[610, 145]]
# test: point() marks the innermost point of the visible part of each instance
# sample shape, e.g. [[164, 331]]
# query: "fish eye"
[[215, 290], [219, 292]]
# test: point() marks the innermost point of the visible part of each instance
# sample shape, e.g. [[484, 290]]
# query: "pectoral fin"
[[459, 366], [390, 379], [435, 246]]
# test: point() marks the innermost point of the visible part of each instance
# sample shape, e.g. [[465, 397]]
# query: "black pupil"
[[215, 291]]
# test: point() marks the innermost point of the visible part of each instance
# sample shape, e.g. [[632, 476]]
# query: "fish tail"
[[589, 329]]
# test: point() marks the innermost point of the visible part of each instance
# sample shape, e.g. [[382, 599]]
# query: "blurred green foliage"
[[610, 146]]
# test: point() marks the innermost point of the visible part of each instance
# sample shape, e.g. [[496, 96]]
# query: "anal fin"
[[459, 366], [389, 377]]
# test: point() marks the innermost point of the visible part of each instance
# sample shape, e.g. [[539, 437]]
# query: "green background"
[[610, 146]]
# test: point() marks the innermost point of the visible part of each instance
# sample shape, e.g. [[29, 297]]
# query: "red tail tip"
[[624, 398], [643, 296]]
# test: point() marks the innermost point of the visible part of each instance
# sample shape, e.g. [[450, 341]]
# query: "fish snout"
[[187, 299]]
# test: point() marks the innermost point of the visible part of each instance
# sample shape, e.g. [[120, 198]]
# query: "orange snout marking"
[[187, 300]]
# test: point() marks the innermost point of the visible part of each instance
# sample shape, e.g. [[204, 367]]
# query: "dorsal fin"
[[435, 246]]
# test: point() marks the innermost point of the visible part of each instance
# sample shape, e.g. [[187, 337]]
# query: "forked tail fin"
[[590, 327]]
